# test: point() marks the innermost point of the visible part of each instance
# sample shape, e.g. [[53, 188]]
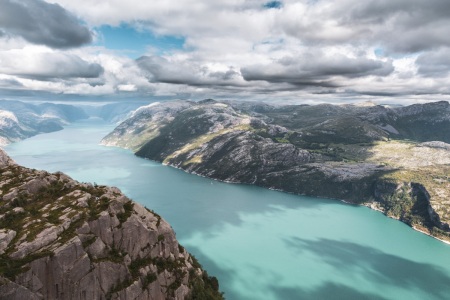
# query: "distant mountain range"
[[19, 120], [394, 159]]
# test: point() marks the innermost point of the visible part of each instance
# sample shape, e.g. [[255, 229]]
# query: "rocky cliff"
[[61, 239], [19, 120], [373, 155]]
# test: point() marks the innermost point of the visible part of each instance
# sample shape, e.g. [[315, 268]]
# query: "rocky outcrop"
[[343, 152], [61, 239], [436, 145]]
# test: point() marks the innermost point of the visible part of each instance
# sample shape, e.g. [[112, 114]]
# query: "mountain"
[[61, 239], [19, 120], [115, 112], [396, 159]]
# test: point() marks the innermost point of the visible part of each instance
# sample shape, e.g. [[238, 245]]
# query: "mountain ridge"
[[20, 120], [334, 151]]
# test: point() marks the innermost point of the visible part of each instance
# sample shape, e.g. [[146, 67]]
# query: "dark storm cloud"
[[159, 69], [400, 26], [316, 70], [10, 83], [407, 25], [434, 64], [228, 75], [42, 23]]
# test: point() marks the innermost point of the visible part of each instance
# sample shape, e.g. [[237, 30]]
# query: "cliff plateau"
[[61, 239]]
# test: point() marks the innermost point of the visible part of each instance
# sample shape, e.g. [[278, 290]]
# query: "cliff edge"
[[61, 239]]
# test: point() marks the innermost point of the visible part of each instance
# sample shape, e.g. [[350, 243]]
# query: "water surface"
[[260, 244]]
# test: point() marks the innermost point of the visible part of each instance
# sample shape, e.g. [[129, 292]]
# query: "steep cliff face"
[[345, 152], [61, 239]]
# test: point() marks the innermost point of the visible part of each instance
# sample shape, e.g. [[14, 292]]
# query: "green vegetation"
[[119, 287], [174, 266], [96, 206], [33, 208], [203, 287], [282, 140], [89, 242], [429, 186], [158, 222], [70, 232], [128, 210], [408, 205], [45, 209], [10, 268], [96, 191], [149, 278], [137, 264]]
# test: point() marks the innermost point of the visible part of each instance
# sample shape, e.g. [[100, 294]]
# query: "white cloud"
[[308, 50], [85, 71], [127, 87], [42, 63]]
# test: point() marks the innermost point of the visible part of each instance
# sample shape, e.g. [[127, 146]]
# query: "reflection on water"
[[261, 244]]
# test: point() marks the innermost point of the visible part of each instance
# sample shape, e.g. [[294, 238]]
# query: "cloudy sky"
[[297, 51]]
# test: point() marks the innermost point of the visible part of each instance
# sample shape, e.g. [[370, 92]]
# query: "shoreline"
[[434, 237], [368, 205]]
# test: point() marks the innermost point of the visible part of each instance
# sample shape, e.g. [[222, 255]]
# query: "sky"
[[310, 51]]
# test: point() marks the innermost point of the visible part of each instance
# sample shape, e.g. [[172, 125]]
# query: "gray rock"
[[97, 249], [5, 160], [74, 245], [436, 145], [12, 291], [33, 186], [6, 236]]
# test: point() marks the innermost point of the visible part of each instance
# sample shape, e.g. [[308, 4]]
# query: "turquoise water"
[[261, 244]]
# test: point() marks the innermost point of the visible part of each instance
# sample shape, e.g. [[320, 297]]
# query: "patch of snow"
[[7, 118]]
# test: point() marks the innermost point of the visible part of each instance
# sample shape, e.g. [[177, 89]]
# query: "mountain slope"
[[61, 239], [19, 120], [359, 154]]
